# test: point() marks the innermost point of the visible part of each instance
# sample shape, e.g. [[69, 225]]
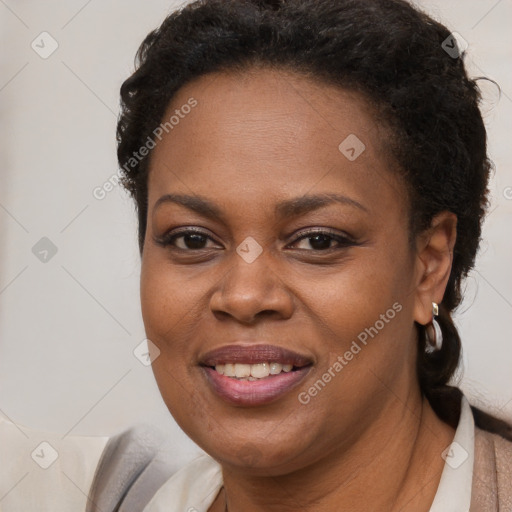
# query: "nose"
[[251, 291]]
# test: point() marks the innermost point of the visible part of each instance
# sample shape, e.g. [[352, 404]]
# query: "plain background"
[[68, 326]]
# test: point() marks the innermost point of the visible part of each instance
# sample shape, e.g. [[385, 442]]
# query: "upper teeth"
[[252, 371]]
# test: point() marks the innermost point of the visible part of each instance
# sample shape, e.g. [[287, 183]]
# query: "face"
[[277, 277]]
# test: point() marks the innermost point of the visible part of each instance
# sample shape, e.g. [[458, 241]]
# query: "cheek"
[[352, 298], [170, 299], [168, 303], [361, 316], [369, 310], [165, 310]]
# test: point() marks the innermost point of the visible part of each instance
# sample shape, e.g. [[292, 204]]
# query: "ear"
[[434, 256]]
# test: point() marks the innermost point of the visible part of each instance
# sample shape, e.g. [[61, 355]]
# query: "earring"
[[433, 332]]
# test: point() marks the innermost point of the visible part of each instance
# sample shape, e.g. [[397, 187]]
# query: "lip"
[[258, 392], [253, 354]]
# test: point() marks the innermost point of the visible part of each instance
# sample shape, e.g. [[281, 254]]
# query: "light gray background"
[[68, 326]]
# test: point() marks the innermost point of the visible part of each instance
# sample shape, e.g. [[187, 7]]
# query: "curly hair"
[[392, 54]]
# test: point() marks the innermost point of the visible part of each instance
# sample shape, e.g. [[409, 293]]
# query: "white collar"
[[192, 489], [454, 490]]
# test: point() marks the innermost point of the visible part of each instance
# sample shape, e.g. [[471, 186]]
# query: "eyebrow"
[[289, 208], [307, 203]]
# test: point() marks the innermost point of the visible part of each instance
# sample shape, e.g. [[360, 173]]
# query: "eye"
[[321, 240], [187, 240]]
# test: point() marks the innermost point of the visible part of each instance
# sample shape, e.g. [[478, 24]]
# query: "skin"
[[368, 440]]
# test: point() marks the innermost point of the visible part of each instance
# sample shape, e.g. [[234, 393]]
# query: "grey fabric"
[[133, 466]]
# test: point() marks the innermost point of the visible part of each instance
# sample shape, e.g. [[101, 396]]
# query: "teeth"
[[252, 371], [229, 370], [242, 370], [275, 368], [260, 370]]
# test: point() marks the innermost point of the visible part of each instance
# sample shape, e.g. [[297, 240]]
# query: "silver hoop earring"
[[433, 332]]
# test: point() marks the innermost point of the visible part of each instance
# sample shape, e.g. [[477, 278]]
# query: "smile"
[[253, 375], [252, 371]]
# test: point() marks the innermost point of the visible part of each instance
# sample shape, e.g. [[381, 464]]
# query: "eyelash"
[[169, 239]]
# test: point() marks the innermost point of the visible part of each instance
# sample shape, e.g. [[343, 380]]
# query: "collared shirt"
[[194, 487], [454, 490]]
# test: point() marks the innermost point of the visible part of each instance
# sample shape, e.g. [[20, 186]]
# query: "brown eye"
[[321, 241], [190, 240]]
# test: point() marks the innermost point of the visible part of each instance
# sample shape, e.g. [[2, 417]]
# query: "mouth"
[[252, 372], [253, 375]]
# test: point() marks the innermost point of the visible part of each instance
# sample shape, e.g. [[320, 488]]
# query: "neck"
[[395, 465]]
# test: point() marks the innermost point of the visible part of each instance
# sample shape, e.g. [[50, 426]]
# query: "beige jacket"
[[492, 475]]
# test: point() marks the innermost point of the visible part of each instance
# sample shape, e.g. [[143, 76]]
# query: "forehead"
[[272, 133]]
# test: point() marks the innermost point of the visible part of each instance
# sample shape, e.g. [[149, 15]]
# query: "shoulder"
[[492, 477], [135, 474], [493, 451], [131, 469]]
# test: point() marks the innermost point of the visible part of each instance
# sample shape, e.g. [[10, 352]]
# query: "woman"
[[310, 179]]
